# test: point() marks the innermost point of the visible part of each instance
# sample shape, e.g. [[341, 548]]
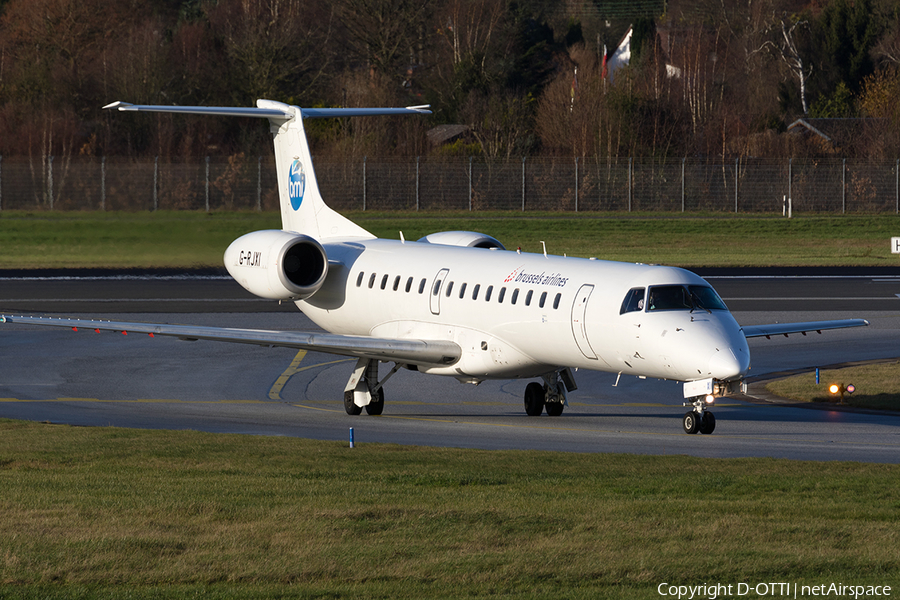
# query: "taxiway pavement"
[[103, 379]]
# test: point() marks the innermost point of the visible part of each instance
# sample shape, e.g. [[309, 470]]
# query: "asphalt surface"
[[134, 381]]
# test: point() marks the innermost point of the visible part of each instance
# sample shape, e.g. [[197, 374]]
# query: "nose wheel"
[[699, 419], [694, 422]]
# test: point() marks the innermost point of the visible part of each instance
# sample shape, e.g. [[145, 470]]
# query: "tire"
[[690, 422], [376, 406], [554, 409], [708, 425], [349, 405], [534, 399]]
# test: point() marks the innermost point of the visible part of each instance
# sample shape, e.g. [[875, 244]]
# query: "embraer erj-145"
[[456, 303]]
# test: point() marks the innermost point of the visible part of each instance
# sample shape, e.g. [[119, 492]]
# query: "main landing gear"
[[551, 395], [364, 390], [698, 419]]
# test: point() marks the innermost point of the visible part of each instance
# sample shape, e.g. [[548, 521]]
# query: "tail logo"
[[296, 184]]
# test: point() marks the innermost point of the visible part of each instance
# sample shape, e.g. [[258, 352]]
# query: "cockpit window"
[[706, 297], [634, 301], [679, 297], [668, 297]]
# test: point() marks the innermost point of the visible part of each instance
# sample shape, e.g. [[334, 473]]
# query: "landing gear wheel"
[[376, 406], [534, 399], [349, 405], [554, 409], [691, 422], [708, 424]]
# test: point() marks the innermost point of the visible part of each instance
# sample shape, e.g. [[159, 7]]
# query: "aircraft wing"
[[419, 352], [751, 331]]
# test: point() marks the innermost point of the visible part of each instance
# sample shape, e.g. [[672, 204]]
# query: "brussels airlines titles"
[[554, 280]]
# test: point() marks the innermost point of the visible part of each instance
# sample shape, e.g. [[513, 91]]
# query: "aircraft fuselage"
[[522, 314]]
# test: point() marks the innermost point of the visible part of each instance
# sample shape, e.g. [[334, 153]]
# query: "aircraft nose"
[[725, 364]]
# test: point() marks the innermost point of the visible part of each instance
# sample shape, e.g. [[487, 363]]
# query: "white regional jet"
[[456, 303]]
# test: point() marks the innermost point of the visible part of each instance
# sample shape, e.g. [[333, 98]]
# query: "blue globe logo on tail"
[[296, 184]]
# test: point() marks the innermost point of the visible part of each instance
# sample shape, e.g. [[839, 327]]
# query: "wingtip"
[[118, 105]]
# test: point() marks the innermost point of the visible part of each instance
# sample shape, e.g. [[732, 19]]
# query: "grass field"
[[877, 386], [113, 513], [110, 513], [197, 239]]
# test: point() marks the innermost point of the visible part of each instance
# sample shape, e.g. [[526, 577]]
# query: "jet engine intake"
[[278, 265]]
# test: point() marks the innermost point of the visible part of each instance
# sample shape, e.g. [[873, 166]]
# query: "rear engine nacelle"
[[471, 239], [277, 264]]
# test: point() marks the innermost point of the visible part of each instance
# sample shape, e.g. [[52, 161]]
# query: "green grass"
[[197, 239], [877, 386], [114, 513]]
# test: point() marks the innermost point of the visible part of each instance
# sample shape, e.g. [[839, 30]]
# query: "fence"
[[526, 184]]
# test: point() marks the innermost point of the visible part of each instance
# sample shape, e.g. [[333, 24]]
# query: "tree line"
[[706, 78]]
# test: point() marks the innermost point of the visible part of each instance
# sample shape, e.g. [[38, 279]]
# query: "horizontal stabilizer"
[[226, 111], [271, 110]]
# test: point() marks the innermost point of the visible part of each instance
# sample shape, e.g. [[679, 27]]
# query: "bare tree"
[[469, 27], [388, 35], [787, 50], [501, 123], [273, 46]]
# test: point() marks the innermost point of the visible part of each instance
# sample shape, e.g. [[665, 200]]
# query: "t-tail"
[[303, 210]]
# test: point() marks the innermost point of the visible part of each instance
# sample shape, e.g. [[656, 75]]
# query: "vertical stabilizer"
[[302, 208]]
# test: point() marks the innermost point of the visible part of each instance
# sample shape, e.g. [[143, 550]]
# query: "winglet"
[[119, 105]]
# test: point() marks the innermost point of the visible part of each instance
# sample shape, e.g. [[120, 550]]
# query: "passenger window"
[[409, 284], [422, 286], [384, 281], [449, 289], [372, 281], [528, 297], [475, 291], [437, 288], [359, 279], [396, 283], [487, 294], [462, 290], [502, 294], [515, 295], [556, 301], [543, 299], [634, 301]]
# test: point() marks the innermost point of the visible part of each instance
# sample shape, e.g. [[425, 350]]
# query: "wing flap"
[[418, 352], [751, 331]]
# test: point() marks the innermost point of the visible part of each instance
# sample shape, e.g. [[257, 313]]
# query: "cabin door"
[[436, 291], [579, 329]]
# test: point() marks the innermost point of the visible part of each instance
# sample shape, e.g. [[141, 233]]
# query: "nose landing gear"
[[699, 419]]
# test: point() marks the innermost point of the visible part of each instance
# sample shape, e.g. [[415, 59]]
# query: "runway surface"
[[134, 381]]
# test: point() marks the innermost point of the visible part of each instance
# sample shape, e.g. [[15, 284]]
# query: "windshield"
[[706, 297], [679, 297]]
